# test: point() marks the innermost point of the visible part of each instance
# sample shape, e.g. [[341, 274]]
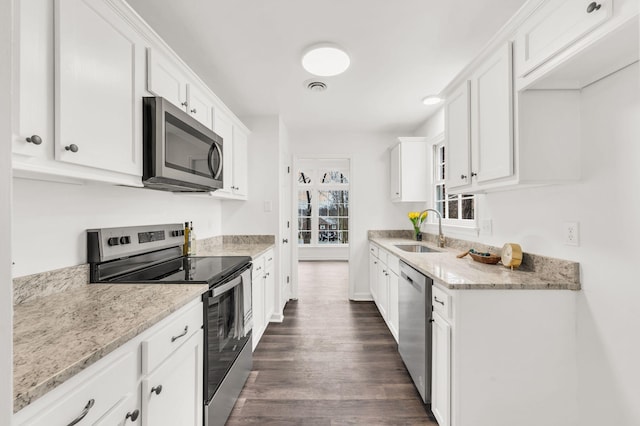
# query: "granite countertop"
[[62, 325], [467, 274], [57, 336]]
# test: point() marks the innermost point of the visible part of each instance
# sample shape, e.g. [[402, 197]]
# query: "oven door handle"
[[225, 287]]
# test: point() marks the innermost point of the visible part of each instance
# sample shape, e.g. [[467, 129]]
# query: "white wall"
[[6, 290], [371, 207], [606, 203], [51, 218]]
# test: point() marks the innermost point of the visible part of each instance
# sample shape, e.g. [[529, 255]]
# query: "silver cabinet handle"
[[73, 147], [435, 299], [84, 413], [184, 333], [35, 139], [156, 389], [133, 415]]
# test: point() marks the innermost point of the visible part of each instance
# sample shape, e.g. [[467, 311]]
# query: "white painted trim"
[[361, 297], [6, 290], [277, 317]]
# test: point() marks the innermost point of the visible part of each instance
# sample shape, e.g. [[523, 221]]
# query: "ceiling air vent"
[[316, 86]]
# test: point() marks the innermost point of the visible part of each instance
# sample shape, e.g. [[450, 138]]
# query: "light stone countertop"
[[57, 336], [467, 274]]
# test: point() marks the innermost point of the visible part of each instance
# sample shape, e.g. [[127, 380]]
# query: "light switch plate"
[[486, 227], [571, 233]]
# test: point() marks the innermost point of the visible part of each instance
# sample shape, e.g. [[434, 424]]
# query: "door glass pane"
[[334, 176], [304, 176], [304, 237]]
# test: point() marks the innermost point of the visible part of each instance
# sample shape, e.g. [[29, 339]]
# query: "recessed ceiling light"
[[325, 60], [432, 100]]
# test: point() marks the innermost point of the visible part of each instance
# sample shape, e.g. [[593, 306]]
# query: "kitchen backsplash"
[[551, 267]]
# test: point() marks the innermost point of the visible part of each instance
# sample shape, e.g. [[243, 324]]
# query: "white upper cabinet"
[[492, 118], [409, 170], [234, 159], [167, 79], [479, 125], [98, 90], [555, 26], [457, 133]]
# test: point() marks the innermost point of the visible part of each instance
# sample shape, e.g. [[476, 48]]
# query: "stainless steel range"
[[153, 254]]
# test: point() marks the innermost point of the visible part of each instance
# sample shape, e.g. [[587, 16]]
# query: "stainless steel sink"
[[416, 248]]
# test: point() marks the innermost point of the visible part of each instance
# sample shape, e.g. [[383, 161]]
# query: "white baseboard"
[[362, 297], [277, 318]]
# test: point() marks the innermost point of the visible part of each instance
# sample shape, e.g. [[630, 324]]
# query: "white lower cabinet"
[[383, 284], [172, 394], [117, 391], [263, 287], [441, 371], [500, 355]]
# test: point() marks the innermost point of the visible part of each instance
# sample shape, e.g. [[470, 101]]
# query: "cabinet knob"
[[473, 174], [193, 111], [35, 139], [285, 240], [463, 176], [593, 6], [185, 104], [133, 415], [156, 389], [73, 147]]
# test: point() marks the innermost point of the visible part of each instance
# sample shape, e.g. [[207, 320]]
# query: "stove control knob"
[[113, 241], [175, 233], [125, 240]]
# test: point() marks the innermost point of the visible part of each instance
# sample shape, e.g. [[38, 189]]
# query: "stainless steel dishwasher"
[[415, 327]]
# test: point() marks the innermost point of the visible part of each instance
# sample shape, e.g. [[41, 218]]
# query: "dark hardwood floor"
[[331, 362]]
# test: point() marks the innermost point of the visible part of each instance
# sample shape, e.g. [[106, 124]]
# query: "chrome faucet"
[[440, 234]]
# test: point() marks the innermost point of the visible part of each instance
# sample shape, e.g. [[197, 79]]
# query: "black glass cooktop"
[[192, 270]]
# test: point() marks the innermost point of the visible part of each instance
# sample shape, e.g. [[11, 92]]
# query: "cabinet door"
[[125, 413], [458, 137], [373, 276], [492, 117], [165, 79], [394, 167], [555, 26], [224, 128], [33, 74], [269, 288], [99, 87], [441, 371], [172, 395], [200, 105], [383, 290], [240, 166], [394, 313], [257, 299]]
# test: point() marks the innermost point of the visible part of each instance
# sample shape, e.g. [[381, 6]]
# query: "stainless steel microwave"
[[179, 153]]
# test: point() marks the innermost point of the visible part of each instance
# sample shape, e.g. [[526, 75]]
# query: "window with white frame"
[[456, 209], [323, 202]]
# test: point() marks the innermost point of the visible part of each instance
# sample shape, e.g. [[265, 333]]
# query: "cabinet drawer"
[[105, 389], [373, 249], [160, 345], [257, 268], [268, 259], [126, 412], [393, 263], [441, 302], [383, 255]]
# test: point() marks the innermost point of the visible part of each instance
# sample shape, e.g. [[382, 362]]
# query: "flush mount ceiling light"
[[432, 100], [325, 60]]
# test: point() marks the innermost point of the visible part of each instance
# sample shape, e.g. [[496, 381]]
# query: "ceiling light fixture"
[[325, 60], [432, 100]]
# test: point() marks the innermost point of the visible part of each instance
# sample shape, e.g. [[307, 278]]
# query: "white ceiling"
[[248, 52]]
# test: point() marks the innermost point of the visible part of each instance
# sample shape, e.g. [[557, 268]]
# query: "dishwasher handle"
[[410, 281]]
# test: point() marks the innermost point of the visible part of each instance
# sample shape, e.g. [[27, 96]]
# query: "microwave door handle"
[[216, 174]]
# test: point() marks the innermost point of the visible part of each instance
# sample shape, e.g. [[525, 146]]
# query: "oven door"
[[228, 329]]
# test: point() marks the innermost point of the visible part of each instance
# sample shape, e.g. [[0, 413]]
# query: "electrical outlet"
[[571, 234], [486, 227]]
